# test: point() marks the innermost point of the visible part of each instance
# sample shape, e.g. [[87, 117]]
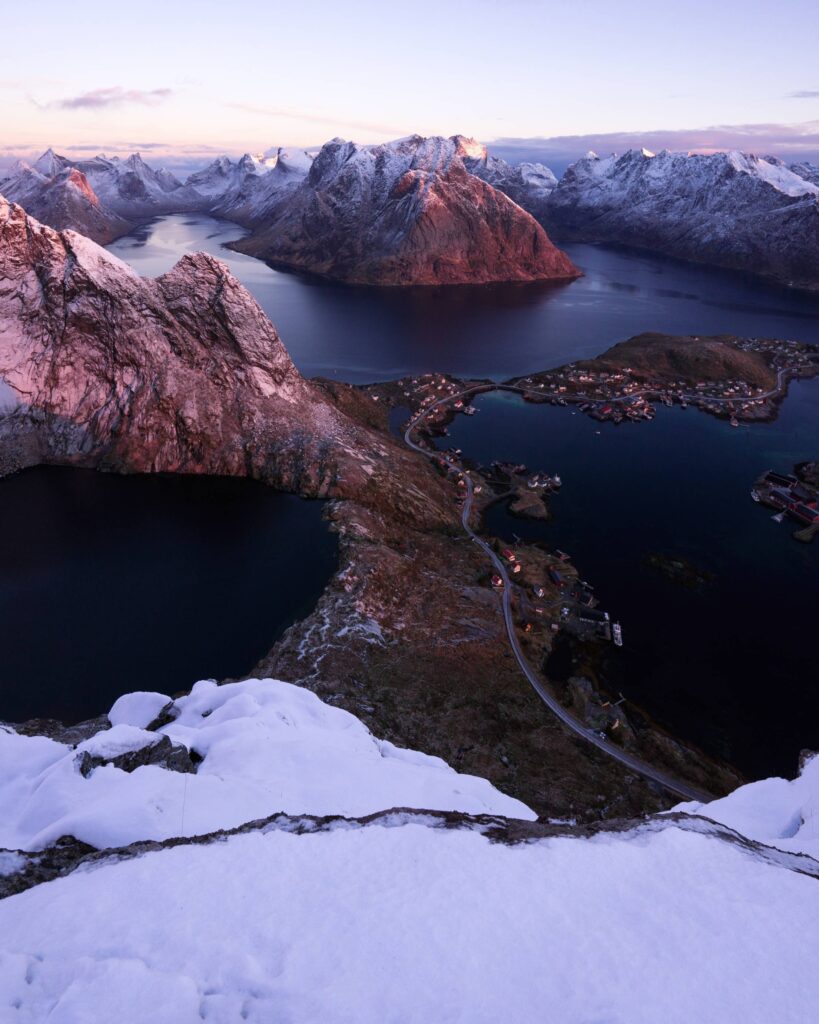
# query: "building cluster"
[[787, 494], [617, 395], [570, 599]]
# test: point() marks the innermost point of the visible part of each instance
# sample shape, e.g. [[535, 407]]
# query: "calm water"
[[111, 583], [732, 667], [367, 334], [735, 666]]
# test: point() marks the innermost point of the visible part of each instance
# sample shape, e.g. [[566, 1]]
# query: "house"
[[801, 512]]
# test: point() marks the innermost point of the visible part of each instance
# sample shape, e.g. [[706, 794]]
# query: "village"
[[793, 496], [619, 394], [546, 588]]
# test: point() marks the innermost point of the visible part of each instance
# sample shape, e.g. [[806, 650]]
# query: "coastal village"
[[548, 592], [548, 596], [626, 393], [794, 496]]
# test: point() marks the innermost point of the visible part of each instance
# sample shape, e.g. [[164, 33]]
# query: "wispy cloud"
[[804, 94], [314, 118], [114, 96]]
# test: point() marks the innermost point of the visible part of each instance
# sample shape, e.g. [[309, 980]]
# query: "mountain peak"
[[50, 163]]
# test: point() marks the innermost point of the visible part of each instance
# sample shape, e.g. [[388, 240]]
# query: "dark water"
[[735, 666], [732, 667], [367, 334], [110, 584]]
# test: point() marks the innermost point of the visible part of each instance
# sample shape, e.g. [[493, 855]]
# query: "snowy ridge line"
[[26, 870]]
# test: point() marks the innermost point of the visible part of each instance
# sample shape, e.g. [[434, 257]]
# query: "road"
[[636, 764]]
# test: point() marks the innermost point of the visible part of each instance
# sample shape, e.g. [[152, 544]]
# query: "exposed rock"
[[130, 188], [727, 209], [68, 854], [71, 735], [179, 374], [162, 753], [407, 212]]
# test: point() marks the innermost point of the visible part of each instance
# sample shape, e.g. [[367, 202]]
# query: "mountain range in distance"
[[445, 211]]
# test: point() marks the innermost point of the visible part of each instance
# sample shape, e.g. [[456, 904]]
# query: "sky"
[[186, 81]]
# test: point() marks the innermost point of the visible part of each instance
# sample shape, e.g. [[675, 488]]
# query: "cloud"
[[790, 141], [804, 94], [300, 115], [115, 96]]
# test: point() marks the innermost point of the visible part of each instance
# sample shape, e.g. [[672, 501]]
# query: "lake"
[[366, 334], [116, 583], [731, 666]]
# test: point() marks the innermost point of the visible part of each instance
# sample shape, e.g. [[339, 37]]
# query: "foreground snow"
[[777, 812], [410, 916], [410, 924], [267, 746]]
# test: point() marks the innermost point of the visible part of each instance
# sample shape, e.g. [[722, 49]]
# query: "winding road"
[[636, 764]]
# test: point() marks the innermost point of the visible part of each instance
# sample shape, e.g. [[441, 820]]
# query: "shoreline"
[[373, 620]]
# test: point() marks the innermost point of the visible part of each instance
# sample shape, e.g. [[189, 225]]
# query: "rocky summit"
[[407, 212]]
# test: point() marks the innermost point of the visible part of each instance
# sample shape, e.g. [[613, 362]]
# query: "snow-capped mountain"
[[729, 209], [122, 193], [810, 172], [119, 193], [249, 853], [224, 176], [406, 212], [527, 184], [133, 189], [182, 373], [259, 187], [63, 199]]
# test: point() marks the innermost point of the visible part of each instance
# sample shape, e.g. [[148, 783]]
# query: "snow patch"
[[267, 747], [139, 708], [418, 924], [778, 812]]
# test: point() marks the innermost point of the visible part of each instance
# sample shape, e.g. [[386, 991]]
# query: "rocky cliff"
[[727, 209], [102, 368], [407, 212]]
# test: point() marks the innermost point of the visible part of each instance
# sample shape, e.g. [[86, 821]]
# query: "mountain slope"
[[259, 187], [64, 200], [527, 184], [407, 212], [728, 209], [183, 373]]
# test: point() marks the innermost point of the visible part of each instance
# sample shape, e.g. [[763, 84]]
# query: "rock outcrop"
[[185, 373], [407, 212], [727, 209]]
